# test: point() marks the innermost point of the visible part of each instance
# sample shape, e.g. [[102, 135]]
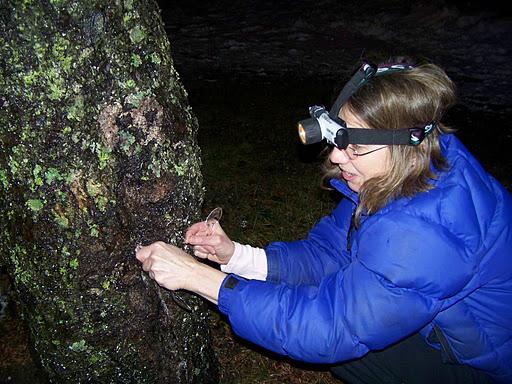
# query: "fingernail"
[[138, 247]]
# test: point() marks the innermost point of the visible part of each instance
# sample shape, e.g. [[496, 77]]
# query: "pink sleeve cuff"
[[249, 262]]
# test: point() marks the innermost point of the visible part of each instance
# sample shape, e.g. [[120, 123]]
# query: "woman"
[[408, 280]]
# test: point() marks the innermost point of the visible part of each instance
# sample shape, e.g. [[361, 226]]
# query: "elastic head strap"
[[405, 136], [361, 77], [363, 74]]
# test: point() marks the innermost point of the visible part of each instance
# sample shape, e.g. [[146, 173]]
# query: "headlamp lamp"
[[329, 126]]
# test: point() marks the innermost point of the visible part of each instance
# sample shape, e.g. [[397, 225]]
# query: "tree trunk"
[[98, 154]]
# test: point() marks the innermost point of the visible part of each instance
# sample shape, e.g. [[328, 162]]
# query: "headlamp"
[[320, 126], [329, 126]]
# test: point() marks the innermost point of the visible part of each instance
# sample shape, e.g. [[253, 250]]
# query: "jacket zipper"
[[350, 230], [441, 338]]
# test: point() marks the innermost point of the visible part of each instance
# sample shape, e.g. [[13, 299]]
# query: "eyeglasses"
[[212, 220], [353, 154]]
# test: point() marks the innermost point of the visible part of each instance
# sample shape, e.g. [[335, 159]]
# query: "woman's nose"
[[339, 156]]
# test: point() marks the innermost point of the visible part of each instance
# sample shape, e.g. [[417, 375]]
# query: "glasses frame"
[[356, 155]]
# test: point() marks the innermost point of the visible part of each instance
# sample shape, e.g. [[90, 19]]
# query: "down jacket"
[[439, 263]]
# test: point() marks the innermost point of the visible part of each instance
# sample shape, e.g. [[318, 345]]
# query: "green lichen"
[[57, 90], [155, 58], [128, 4], [76, 137], [4, 179], [35, 205], [136, 98], [51, 175], [38, 180], [93, 188], [17, 255], [79, 346], [30, 78], [104, 155], [26, 133], [61, 196], [129, 84], [74, 263], [137, 34], [99, 193], [85, 55], [94, 230], [65, 251], [76, 110], [18, 160], [127, 140], [180, 169], [60, 219], [155, 168], [136, 61]]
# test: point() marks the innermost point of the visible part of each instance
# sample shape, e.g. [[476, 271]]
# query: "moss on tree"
[[98, 153]]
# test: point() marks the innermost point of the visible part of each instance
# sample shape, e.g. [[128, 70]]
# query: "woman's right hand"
[[215, 246]]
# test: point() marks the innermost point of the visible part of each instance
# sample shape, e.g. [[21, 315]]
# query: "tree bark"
[[98, 153]]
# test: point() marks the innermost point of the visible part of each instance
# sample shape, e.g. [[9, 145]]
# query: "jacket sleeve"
[[377, 300], [323, 252]]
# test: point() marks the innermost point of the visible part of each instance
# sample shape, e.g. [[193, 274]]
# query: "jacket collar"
[[446, 141], [343, 188]]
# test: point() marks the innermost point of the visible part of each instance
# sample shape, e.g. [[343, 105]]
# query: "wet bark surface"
[[98, 153]]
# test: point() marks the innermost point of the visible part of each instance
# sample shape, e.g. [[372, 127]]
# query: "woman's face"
[[356, 172]]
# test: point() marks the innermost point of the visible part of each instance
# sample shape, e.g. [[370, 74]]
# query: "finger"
[[152, 275], [146, 265], [199, 248], [202, 239], [193, 238], [205, 249], [143, 252], [202, 255], [195, 228]]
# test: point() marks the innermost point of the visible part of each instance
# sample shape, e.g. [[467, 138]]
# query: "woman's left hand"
[[168, 265]]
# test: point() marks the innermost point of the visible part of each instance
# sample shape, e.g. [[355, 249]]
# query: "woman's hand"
[[174, 269], [216, 246], [168, 265]]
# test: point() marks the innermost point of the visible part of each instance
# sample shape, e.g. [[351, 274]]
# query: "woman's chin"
[[353, 185]]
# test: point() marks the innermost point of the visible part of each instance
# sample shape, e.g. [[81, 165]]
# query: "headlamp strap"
[[406, 136], [365, 73], [361, 77]]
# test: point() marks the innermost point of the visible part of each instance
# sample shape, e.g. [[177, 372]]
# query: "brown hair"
[[411, 98]]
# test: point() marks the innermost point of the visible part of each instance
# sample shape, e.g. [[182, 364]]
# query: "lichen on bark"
[[98, 153]]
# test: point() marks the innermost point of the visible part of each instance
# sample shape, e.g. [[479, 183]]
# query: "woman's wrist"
[[205, 281]]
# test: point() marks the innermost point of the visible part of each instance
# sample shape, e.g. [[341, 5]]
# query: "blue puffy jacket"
[[439, 263]]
